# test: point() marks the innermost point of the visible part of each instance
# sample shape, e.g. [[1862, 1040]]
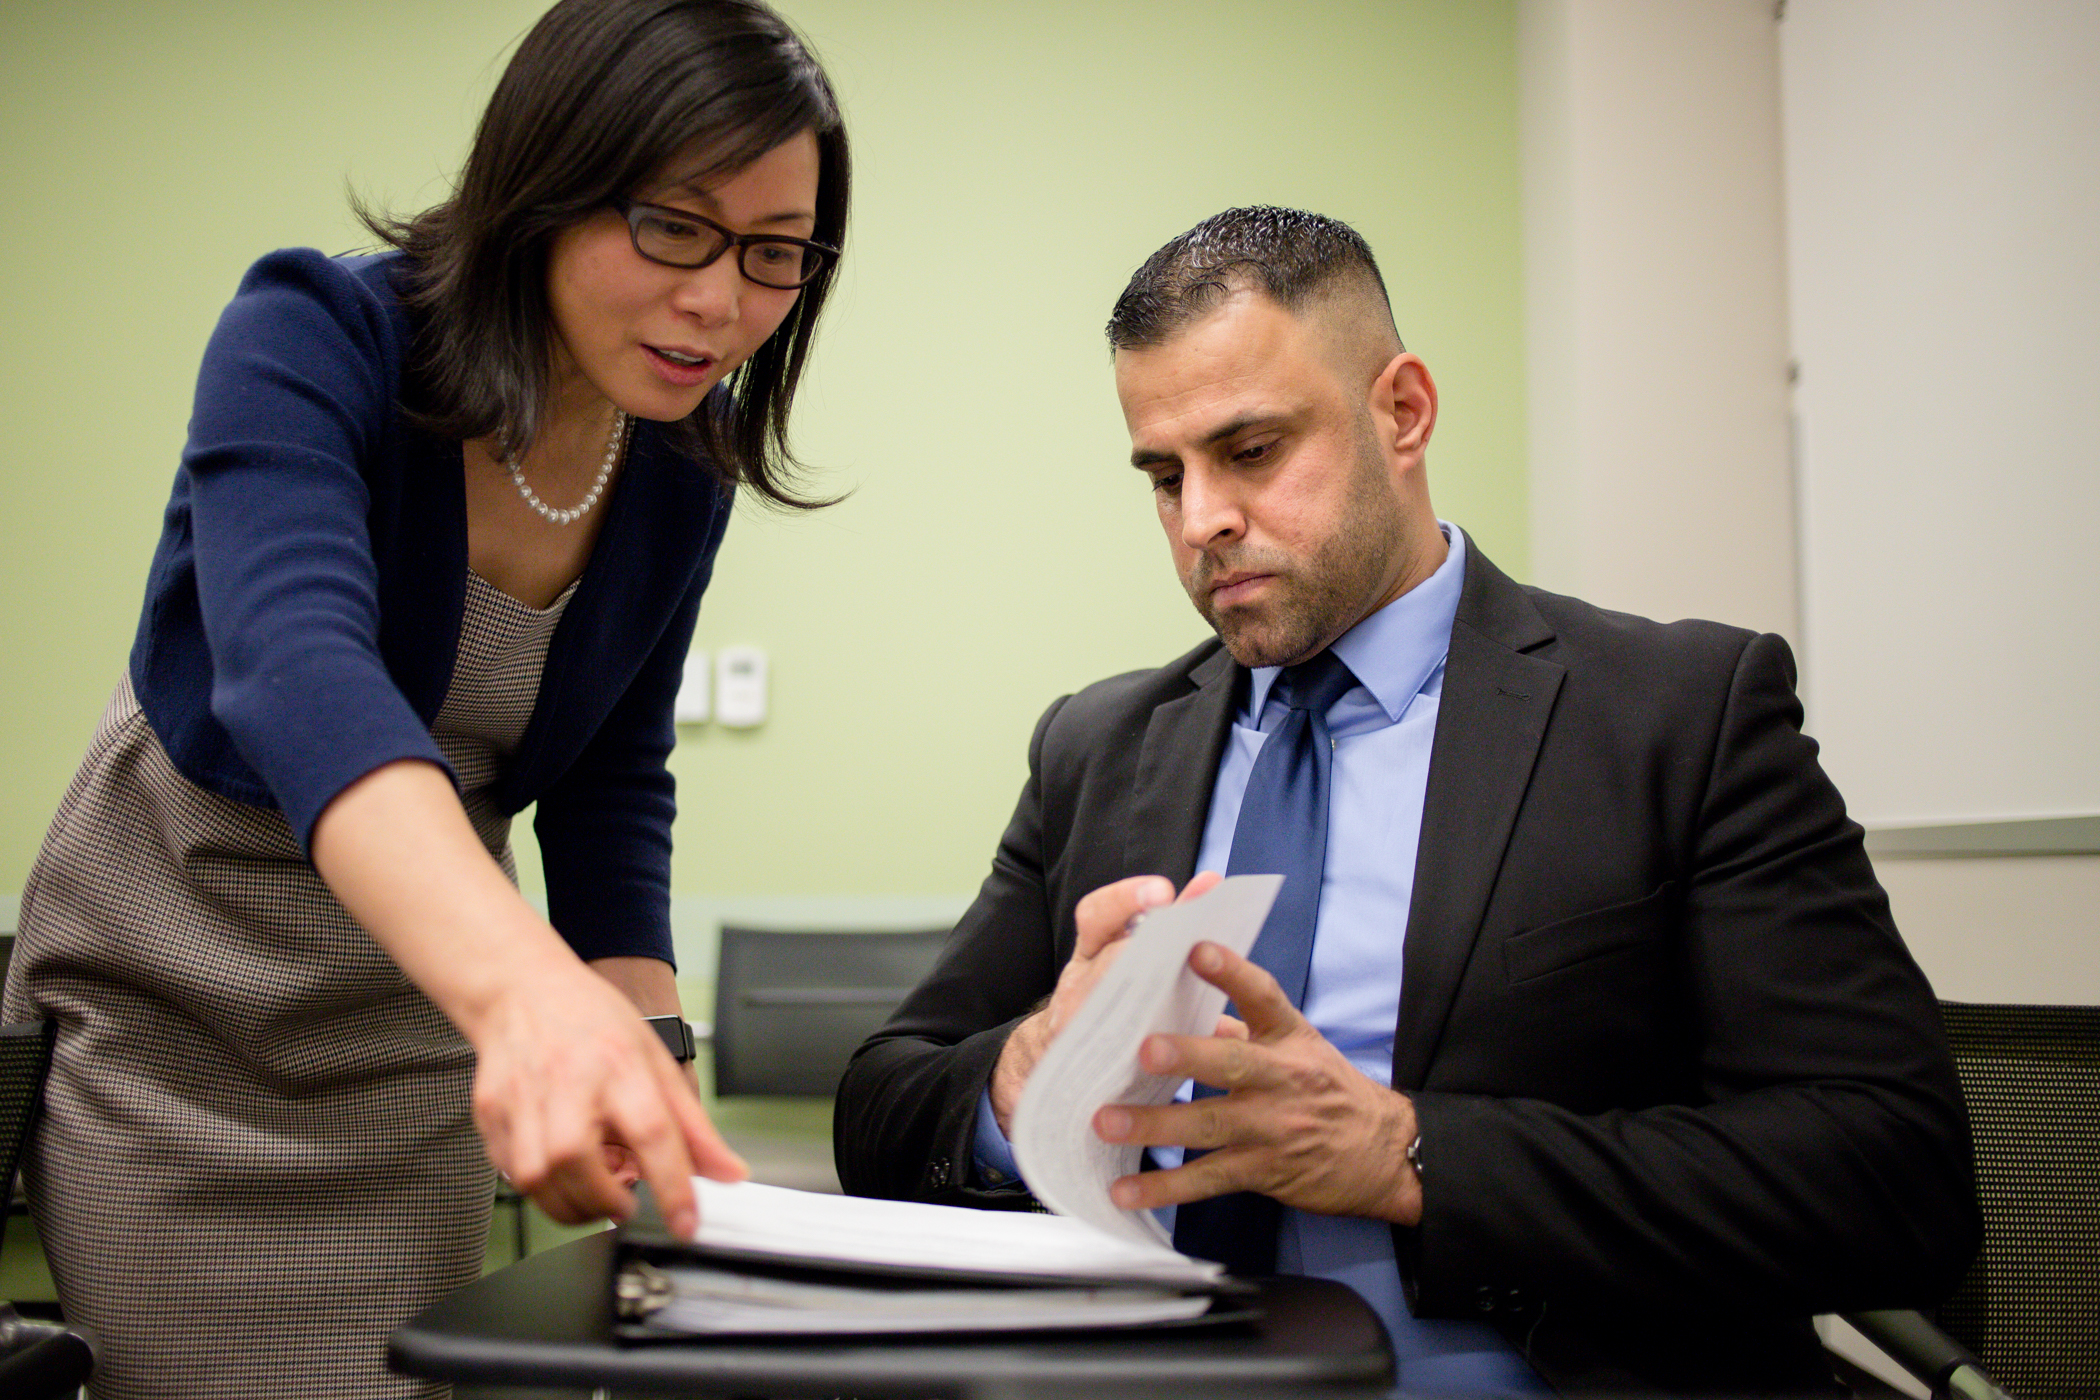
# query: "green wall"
[[1015, 161]]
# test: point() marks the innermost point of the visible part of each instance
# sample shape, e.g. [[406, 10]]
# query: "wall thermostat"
[[740, 687]]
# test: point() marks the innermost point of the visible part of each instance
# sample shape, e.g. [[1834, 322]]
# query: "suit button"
[[1484, 1298], [937, 1173]]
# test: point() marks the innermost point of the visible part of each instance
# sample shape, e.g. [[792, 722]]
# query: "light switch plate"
[[691, 705]]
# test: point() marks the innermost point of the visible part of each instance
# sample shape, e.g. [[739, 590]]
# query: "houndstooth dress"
[[257, 1155]]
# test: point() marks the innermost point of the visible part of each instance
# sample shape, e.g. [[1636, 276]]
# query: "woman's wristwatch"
[[677, 1036]]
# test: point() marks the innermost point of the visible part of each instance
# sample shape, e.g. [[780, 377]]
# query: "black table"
[[547, 1322]]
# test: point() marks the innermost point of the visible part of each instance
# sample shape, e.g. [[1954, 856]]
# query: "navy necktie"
[[1282, 830]]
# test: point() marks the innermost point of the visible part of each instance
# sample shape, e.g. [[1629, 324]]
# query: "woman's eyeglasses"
[[678, 239]]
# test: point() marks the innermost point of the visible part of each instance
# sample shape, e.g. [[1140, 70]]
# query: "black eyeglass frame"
[[636, 210]]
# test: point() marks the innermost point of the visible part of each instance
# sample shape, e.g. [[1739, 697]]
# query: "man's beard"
[[1315, 597], [1308, 606]]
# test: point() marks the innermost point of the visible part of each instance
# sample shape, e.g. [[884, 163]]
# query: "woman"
[[434, 553]]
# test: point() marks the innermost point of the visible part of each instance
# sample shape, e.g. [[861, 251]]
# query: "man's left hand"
[[1297, 1121]]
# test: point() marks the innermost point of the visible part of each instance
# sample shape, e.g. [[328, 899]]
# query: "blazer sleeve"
[[1822, 1162], [906, 1113], [295, 391]]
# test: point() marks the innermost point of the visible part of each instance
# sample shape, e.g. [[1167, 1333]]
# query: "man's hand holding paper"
[[1094, 1061], [1297, 1121], [1105, 918]]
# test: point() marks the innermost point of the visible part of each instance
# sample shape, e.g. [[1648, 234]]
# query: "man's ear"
[[1403, 400]]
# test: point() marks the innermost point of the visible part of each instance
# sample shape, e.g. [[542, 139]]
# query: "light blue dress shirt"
[[1383, 731]]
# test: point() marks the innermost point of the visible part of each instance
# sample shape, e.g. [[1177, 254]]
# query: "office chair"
[[791, 1008], [37, 1359], [2027, 1315], [25, 1057]]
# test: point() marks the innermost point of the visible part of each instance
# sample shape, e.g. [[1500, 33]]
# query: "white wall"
[[1655, 282], [1943, 208], [1925, 247], [1943, 204], [2005, 928]]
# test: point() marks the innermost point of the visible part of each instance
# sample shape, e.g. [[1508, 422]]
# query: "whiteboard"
[[1943, 194]]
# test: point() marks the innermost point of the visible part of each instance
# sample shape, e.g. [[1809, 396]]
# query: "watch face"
[[677, 1036]]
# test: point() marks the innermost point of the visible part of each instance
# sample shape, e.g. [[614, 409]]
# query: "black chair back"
[[25, 1057], [37, 1359], [791, 1008], [2030, 1305]]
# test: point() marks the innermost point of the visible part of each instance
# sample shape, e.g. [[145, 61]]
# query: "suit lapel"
[[1176, 768], [1490, 721]]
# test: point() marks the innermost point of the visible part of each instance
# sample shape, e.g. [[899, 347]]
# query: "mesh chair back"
[[25, 1056], [2030, 1306], [791, 1008]]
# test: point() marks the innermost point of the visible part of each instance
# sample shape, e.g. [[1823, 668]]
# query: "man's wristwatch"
[[677, 1036], [1414, 1154]]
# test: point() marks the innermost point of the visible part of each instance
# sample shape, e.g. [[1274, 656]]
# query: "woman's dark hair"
[[600, 97]]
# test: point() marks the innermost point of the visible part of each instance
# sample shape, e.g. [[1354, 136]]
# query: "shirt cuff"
[[993, 1154]]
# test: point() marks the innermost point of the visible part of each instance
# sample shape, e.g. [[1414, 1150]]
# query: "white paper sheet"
[[1149, 990], [852, 1230]]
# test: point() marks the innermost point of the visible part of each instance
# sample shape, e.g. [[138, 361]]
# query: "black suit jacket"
[[1680, 1086]]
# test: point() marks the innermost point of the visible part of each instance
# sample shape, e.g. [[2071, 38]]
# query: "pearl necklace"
[[576, 512]]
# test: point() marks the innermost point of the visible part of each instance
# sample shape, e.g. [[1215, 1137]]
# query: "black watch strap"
[[677, 1036]]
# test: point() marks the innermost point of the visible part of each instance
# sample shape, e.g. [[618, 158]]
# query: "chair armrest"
[[39, 1359], [1912, 1342]]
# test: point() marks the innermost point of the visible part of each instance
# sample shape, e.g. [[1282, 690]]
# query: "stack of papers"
[[699, 1300], [770, 1261], [771, 1224]]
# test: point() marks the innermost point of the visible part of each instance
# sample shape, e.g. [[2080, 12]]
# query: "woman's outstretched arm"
[[565, 1062]]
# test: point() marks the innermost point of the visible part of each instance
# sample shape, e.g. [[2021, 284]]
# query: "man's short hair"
[[1286, 253]]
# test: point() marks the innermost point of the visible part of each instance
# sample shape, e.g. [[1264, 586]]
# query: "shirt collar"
[[1395, 650]]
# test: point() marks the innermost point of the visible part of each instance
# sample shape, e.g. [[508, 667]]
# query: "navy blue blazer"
[[304, 604]]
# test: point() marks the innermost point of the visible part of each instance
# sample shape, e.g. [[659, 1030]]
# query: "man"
[[1610, 1068]]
